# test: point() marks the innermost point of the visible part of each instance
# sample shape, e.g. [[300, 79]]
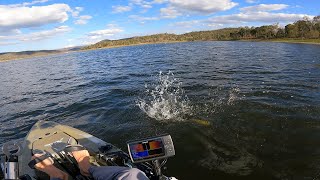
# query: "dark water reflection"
[[261, 102]]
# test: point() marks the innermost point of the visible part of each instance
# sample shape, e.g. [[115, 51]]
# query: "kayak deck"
[[44, 134]]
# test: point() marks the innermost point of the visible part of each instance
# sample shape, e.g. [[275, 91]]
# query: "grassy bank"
[[304, 41], [286, 40]]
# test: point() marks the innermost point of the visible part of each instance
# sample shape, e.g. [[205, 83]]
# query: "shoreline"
[[285, 40], [294, 41]]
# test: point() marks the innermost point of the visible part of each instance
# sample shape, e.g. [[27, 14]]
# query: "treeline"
[[302, 29]]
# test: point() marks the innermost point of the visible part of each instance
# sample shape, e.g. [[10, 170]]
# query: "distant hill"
[[221, 34], [29, 54], [305, 31]]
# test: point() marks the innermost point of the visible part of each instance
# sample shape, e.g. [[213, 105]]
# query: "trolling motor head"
[[10, 166]]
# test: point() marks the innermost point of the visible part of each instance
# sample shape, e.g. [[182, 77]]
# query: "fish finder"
[[153, 148]]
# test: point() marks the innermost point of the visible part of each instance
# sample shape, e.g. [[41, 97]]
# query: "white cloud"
[[9, 31], [194, 6], [251, 1], [143, 4], [35, 16], [34, 2], [28, 3], [3, 43], [203, 6], [35, 36], [83, 19], [146, 6], [121, 9], [98, 35], [159, 1], [169, 12], [177, 8], [80, 20], [236, 20], [165, 13], [76, 11], [186, 24], [79, 8], [265, 7], [265, 17], [69, 46], [142, 18]]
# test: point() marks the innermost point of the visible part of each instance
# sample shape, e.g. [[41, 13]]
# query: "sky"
[[54, 24]]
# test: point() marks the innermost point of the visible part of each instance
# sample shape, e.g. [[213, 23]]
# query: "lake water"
[[235, 110]]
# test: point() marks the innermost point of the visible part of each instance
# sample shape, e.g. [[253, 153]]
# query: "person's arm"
[[117, 172], [55, 178]]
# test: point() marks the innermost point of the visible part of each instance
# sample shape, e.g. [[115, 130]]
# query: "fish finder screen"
[[147, 149]]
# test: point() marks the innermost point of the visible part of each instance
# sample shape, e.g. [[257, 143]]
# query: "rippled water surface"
[[235, 110]]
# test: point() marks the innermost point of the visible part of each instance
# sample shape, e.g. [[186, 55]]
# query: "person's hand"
[[48, 167], [83, 159]]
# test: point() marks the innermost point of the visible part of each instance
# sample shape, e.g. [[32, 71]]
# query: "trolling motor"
[[152, 149], [10, 166]]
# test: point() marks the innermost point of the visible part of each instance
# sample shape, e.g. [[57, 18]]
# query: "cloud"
[[169, 12], [35, 36], [28, 3], [82, 20], [41, 35], [186, 24], [177, 8], [76, 11], [121, 9], [251, 1], [9, 31], [194, 6], [7, 43], [159, 1], [141, 2], [145, 4], [35, 16], [34, 2], [265, 7], [142, 18], [98, 35], [265, 17], [203, 6], [236, 20]]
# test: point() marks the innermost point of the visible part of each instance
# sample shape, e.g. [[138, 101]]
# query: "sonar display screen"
[[147, 149]]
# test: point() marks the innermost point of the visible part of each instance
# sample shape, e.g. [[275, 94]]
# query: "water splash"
[[233, 96], [165, 100], [216, 101]]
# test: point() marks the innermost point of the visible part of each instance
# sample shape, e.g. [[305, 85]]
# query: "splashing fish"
[[165, 100], [202, 122]]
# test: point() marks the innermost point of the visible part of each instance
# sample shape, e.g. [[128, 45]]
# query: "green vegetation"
[[302, 31]]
